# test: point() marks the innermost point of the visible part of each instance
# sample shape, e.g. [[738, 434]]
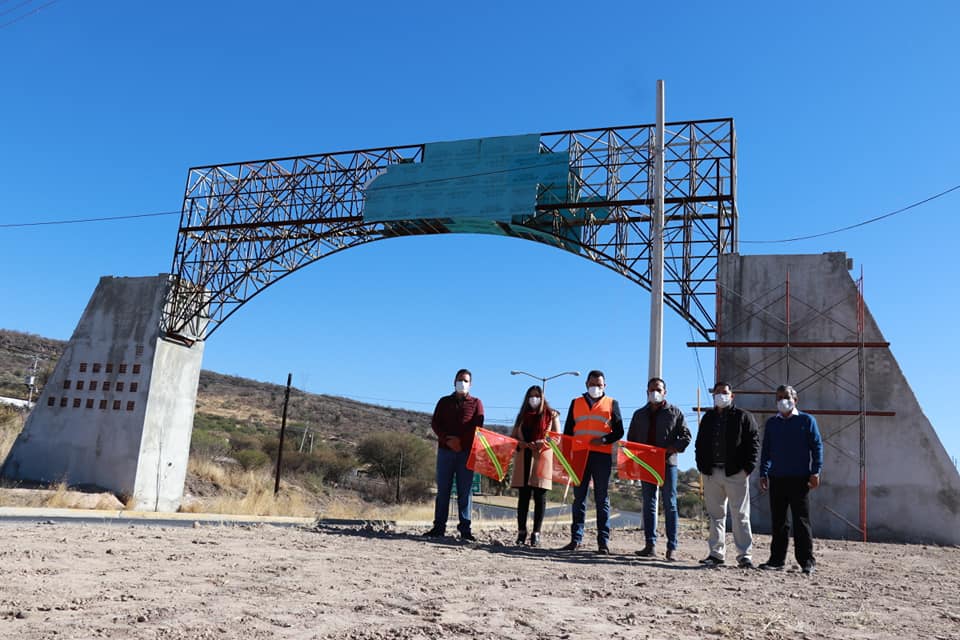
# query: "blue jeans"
[[450, 465], [668, 493], [598, 470]]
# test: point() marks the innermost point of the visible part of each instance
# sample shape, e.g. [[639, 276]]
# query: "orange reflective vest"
[[593, 422]]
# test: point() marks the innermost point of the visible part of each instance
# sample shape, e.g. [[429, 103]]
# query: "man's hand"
[[598, 442], [453, 443], [764, 484], [814, 481]]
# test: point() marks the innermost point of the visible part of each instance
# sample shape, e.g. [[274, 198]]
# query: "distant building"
[[16, 402]]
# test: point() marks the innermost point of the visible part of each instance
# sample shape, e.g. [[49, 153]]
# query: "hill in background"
[[221, 398], [235, 442]]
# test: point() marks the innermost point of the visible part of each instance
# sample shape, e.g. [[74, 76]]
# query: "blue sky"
[[844, 111]]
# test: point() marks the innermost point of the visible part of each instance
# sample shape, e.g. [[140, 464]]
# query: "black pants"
[[792, 492], [539, 506]]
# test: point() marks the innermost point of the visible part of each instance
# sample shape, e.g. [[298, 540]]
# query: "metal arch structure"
[[246, 225]]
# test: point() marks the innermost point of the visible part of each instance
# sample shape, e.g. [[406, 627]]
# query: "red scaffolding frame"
[[758, 308]]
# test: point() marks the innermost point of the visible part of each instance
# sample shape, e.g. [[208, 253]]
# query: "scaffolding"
[[776, 309]]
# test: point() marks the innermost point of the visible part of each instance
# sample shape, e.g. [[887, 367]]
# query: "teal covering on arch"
[[474, 186]]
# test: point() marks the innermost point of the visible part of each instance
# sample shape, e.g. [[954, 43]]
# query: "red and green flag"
[[641, 462], [491, 454], [569, 458]]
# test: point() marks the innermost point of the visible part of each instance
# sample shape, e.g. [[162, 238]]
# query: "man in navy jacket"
[[790, 462]]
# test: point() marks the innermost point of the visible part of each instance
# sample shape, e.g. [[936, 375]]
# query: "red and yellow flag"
[[491, 453], [569, 458], [641, 462]]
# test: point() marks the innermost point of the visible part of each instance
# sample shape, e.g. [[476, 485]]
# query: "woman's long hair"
[[544, 410]]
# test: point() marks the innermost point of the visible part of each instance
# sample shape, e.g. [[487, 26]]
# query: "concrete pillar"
[[117, 413], [913, 488]]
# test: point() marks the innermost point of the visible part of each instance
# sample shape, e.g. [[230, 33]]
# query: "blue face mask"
[[785, 405]]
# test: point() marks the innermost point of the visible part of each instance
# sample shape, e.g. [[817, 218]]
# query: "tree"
[[384, 451]]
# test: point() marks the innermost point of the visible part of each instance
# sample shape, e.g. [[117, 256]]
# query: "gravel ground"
[[366, 582]]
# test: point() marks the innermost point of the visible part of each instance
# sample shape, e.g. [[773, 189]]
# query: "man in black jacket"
[[727, 449], [660, 424]]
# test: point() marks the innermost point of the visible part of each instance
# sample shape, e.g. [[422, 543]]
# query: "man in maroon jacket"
[[455, 421]]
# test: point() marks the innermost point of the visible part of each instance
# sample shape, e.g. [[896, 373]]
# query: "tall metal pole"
[[283, 430], [656, 242]]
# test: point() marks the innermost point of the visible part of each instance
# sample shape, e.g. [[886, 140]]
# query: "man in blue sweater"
[[790, 462]]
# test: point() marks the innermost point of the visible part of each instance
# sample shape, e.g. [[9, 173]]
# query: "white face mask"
[[785, 405], [595, 392], [534, 402], [462, 386], [654, 397], [722, 400]]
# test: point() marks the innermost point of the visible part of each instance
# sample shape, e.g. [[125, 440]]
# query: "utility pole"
[[31, 380], [399, 475], [283, 430], [656, 242]]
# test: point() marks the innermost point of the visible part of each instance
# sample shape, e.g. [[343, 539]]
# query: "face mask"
[[654, 397], [722, 400], [595, 392], [462, 386], [785, 405], [534, 402]]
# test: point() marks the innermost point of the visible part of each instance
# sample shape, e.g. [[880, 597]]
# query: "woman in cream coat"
[[533, 461]]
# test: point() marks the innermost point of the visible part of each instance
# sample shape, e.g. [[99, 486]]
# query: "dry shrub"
[[207, 469], [248, 492], [60, 498], [11, 423]]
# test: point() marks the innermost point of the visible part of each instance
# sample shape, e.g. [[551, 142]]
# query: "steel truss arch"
[[245, 226]]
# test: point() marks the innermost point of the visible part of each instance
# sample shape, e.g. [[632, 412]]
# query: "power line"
[[26, 15], [859, 224], [82, 220], [14, 7]]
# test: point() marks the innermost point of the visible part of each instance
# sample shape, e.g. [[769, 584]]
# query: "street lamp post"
[[542, 379]]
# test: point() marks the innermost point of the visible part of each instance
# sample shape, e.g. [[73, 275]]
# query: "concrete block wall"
[[913, 488], [117, 413]]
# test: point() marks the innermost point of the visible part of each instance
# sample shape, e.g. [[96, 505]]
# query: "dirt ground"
[[367, 582]]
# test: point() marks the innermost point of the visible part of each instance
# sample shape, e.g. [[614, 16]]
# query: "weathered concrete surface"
[[117, 412], [913, 488]]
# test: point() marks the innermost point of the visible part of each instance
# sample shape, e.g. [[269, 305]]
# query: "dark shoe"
[[808, 569], [671, 555], [647, 552], [521, 537], [745, 563], [535, 539], [436, 532], [467, 537], [711, 562], [571, 546], [603, 550], [769, 566]]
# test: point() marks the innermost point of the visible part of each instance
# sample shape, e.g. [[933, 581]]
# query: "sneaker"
[[436, 532], [711, 561], [808, 569], [467, 537], [571, 546], [745, 563], [535, 539], [671, 555], [769, 566], [647, 552], [603, 550], [521, 537]]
